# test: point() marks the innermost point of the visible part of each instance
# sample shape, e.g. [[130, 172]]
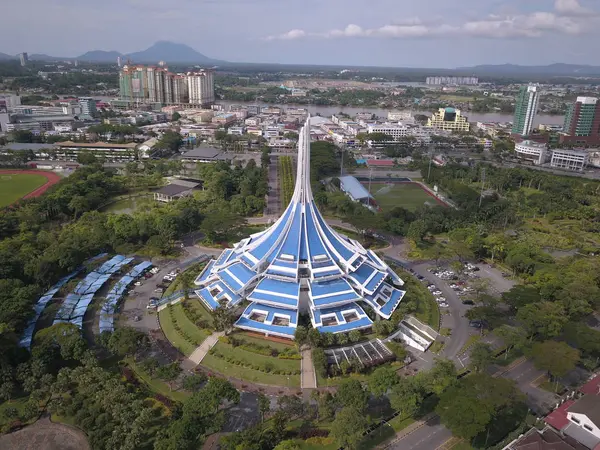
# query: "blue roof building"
[[300, 264]]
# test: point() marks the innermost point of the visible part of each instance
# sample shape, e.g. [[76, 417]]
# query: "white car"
[[443, 305], [138, 283], [437, 292], [441, 299]]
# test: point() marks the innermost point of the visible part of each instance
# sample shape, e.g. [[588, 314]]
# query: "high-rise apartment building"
[[201, 87], [582, 123], [525, 110], [24, 57], [147, 84]]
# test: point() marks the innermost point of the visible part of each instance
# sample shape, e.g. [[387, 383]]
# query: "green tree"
[[175, 116], [193, 383], [557, 358], [126, 341], [382, 380], [86, 158], [481, 356], [521, 295], [351, 394], [223, 319], [545, 318], [264, 405], [469, 407], [348, 427]]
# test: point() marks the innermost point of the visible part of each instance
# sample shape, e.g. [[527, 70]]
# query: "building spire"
[[302, 190]]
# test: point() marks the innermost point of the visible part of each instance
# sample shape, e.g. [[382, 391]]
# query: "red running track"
[[51, 180]]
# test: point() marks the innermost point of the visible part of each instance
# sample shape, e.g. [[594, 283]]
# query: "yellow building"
[[448, 119]]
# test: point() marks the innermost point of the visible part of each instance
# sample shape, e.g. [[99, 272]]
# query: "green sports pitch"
[[15, 186], [407, 195]]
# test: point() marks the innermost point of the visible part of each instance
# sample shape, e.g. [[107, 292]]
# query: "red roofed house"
[[592, 387], [380, 163]]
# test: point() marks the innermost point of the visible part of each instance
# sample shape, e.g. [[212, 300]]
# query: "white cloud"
[[290, 35], [569, 17]]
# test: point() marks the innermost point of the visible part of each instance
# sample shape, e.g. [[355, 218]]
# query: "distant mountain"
[[5, 57], [100, 56], [43, 57], [170, 52], [558, 69]]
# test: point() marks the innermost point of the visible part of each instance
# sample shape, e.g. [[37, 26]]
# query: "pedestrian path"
[[308, 377], [198, 355]]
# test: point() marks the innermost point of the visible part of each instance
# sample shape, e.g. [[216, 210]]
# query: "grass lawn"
[[188, 337], [17, 403], [408, 195], [15, 186], [251, 338], [220, 364], [155, 385]]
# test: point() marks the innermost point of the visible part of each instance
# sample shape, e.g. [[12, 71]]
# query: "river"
[[327, 111]]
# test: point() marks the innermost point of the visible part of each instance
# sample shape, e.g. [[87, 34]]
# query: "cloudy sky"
[[403, 33]]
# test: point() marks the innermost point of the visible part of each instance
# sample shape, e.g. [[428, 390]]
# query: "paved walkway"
[[198, 355], [308, 377]]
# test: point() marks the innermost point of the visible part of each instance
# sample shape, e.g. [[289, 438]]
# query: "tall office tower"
[[582, 122], [24, 57], [88, 106], [525, 110], [201, 87], [118, 61]]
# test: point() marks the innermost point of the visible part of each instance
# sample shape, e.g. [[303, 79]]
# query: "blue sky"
[[403, 33]]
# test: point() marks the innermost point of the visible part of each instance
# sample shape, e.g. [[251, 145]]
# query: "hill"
[[170, 52], [573, 70], [100, 56]]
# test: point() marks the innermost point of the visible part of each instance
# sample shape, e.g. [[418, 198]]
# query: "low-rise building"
[[236, 131], [253, 121], [354, 189], [224, 118], [532, 151], [400, 116], [449, 119], [204, 154], [174, 191], [112, 152], [574, 160]]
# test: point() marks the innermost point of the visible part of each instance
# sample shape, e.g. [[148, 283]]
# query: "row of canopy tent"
[[75, 304], [27, 336], [107, 311]]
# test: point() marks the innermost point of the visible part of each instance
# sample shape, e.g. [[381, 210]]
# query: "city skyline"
[[334, 32]]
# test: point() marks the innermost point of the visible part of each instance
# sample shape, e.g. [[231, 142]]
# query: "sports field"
[[15, 186], [406, 195]]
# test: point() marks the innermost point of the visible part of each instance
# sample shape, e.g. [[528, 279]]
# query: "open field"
[[407, 195], [14, 186]]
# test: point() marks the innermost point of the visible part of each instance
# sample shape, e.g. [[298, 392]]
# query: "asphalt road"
[[539, 400], [428, 437]]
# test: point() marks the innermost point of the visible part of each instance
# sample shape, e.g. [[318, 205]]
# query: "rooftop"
[[173, 190], [130, 145], [354, 188], [204, 153]]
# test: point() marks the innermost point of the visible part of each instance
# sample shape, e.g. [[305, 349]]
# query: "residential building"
[[582, 123], [467, 81], [574, 160], [236, 131], [9, 101], [300, 263], [145, 148], [448, 119], [546, 439], [119, 61], [180, 91], [24, 58], [532, 151], [88, 106], [252, 121], [224, 118], [525, 110], [201, 87]]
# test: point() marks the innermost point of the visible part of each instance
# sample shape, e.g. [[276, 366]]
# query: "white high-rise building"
[[525, 110], [201, 87]]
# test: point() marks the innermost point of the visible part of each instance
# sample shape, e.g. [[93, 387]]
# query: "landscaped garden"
[[256, 360], [286, 180], [186, 325]]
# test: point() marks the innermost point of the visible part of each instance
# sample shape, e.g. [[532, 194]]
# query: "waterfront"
[[327, 111]]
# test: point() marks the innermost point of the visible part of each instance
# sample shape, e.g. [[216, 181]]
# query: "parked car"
[[159, 290], [468, 302], [138, 283]]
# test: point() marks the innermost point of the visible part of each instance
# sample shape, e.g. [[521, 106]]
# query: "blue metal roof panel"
[[349, 326], [347, 297], [243, 322], [329, 287], [284, 287], [204, 294], [353, 187]]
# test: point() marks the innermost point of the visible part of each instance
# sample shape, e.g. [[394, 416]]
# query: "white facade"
[[574, 160], [532, 151], [399, 116], [201, 87], [88, 106], [533, 98], [583, 421], [397, 131]]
